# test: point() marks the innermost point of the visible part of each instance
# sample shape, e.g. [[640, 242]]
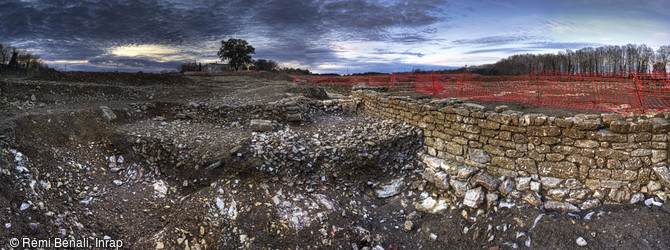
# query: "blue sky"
[[322, 35]]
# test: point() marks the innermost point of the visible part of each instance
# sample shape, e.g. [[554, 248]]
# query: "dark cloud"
[[82, 30], [132, 62]]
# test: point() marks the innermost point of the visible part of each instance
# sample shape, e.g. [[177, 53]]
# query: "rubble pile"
[[349, 145]]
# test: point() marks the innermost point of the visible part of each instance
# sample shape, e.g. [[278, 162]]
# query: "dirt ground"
[[180, 168]]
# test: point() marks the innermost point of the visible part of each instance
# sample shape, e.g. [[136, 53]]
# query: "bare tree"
[[663, 57]]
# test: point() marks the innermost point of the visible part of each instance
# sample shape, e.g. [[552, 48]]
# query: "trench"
[[133, 178]]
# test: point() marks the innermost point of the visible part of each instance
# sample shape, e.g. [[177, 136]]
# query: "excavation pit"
[[178, 165]]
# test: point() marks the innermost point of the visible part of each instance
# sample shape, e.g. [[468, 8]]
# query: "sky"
[[325, 36]]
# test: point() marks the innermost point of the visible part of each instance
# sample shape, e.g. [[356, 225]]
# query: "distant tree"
[[13, 63], [3, 57], [663, 57], [237, 52], [188, 66], [659, 67], [293, 71], [264, 65]]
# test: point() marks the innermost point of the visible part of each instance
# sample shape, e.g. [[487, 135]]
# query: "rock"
[[589, 204], [561, 206], [663, 174], [118, 182], [236, 150], [107, 113], [557, 193], [433, 236], [535, 186], [260, 125], [429, 175], [522, 183], [506, 187], [653, 186], [474, 197], [466, 172], [551, 182], [408, 225], [636, 198], [459, 187], [533, 198], [487, 181], [659, 125], [432, 162], [581, 242], [214, 165], [24, 206], [349, 107], [294, 117], [473, 107], [426, 205], [620, 195], [491, 199], [652, 201], [479, 155], [441, 180], [501, 108], [388, 190], [442, 204], [160, 188]]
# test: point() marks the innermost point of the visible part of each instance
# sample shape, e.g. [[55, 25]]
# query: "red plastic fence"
[[621, 92], [221, 72]]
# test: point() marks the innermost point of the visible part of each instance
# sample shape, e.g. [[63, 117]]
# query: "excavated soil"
[[180, 167]]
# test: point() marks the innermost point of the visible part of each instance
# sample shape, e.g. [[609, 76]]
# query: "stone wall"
[[571, 163]]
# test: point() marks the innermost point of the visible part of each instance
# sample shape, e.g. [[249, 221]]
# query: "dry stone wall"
[[567, 164]]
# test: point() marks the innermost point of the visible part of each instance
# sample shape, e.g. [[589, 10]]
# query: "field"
[[623, 93], [163, 161]]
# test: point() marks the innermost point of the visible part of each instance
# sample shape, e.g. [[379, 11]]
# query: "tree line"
[[19, 62], [608, 59], [238, 54]]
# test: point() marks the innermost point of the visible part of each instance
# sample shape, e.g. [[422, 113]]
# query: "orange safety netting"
[[621, 92]]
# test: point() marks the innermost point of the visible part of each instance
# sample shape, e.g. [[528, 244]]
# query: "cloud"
[[562, 45], [500, 50], [492, 40], [389, 52], [125, 63]]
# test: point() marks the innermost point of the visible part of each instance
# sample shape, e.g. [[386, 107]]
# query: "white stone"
[[581, 242], [522, 183], [636, 198], [391, 189], [652, 201], [24, 206], [160, 188], [426, 204], [535, 186], [474, 197]]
